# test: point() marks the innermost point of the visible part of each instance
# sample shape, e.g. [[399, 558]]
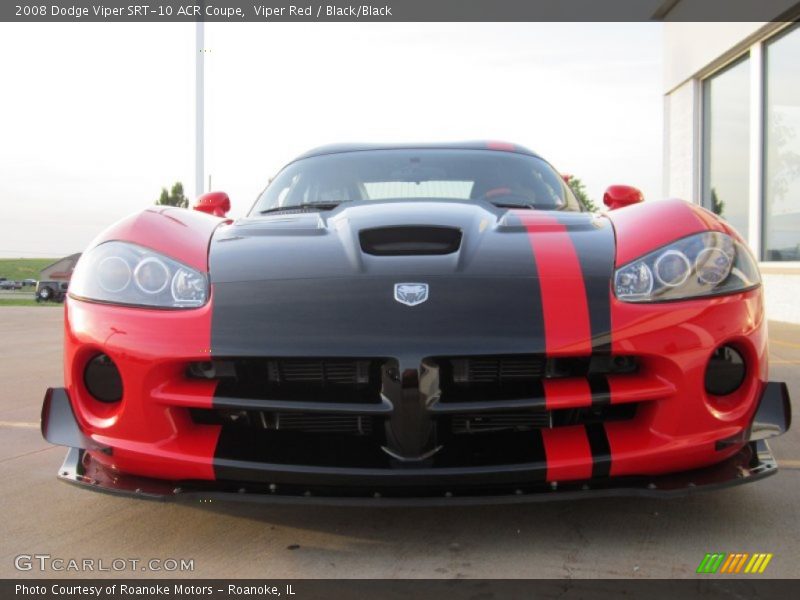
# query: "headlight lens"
[[705, 264], [123, 273], [151, 275]]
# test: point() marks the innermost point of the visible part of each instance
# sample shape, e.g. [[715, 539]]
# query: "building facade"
[[732, 138], [61, 270]]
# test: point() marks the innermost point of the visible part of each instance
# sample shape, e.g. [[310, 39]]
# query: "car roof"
[[473, 145]]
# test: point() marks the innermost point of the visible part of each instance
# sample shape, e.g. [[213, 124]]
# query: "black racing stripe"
[[251, 457], [594, 243], [235, 443], [601, 392], [537, 441], [601, 450], [524, 247], [490, 303], [536, 390]]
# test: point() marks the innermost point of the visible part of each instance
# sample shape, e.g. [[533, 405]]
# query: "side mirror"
[[617, 196], [214, 203]]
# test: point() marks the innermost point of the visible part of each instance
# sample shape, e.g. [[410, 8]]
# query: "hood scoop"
[[410, 240]]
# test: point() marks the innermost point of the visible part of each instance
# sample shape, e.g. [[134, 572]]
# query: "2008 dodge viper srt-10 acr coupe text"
[[416, 324]]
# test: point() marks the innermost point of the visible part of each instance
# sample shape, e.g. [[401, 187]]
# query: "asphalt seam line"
[[23, 455], [18, 425], [783, 343]]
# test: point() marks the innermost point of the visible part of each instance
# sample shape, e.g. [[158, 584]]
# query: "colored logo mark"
[[736, 562]]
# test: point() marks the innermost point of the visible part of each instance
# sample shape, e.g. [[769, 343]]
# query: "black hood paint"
[[326, 244], [300, 284]]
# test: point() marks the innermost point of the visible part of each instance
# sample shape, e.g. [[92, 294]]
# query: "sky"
[[95, 118]]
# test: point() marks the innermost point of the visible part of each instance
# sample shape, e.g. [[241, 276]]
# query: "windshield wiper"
[[302, 207]]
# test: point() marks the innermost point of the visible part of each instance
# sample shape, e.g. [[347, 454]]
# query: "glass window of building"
[[726, 144], [781, 220]]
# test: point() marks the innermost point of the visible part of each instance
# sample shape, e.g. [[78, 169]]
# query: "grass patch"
[[26, 302], [17, 269]]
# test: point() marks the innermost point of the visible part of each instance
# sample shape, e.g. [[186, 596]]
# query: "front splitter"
[[753, 462]]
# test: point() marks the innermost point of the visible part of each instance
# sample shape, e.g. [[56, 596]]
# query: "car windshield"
[[502, 178]]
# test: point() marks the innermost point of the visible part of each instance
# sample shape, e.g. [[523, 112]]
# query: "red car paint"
[[566, 314], [151, 348], [620, 196], [642, 228], [214, 203], [181, 234]]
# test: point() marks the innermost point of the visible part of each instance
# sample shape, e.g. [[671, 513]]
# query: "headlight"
[[705, 264], [123, 273]]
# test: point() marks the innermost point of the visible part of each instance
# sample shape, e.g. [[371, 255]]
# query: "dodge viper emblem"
[[411, 294]]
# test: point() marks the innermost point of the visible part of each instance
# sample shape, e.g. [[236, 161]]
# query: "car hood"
[[392, 239], [291, 284]]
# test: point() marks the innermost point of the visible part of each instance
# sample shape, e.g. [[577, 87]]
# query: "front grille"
[[459, 423], [500, 421], [319, 372], [349, 380], [592, 415], [495, 369], [470, 410], [318, 423], [286, 421], [484, 378], [487, 378]]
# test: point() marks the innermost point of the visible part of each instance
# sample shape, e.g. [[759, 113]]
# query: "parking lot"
[[587, 538]]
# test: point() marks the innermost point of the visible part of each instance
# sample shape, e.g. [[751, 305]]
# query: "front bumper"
[[485, 485], [753, 462]]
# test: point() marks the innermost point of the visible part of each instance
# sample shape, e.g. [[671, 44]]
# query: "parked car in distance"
[[51, 291], [29, 282], [10, 285]]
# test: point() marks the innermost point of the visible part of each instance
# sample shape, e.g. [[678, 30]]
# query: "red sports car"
[[416, 323]]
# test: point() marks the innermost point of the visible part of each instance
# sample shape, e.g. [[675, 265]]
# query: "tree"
[[174, 197], [717, 205], [577, 187]]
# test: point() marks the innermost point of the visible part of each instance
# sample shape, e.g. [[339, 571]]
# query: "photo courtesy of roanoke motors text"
[[410, 298]]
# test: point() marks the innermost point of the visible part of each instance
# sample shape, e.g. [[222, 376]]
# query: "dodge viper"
[[439, 323]]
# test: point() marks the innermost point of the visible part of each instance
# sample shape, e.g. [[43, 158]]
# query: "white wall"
[[780, 294], [692, 48], [680, 132]]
